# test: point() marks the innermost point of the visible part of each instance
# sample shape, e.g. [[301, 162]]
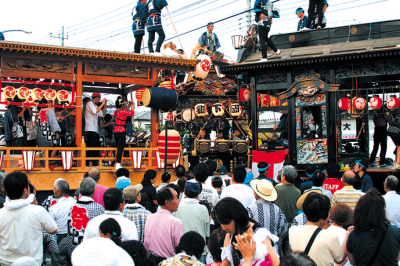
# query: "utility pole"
[[60, 36], [248, 15]]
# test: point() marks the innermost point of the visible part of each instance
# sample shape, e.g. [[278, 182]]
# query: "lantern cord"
[[359, 133]]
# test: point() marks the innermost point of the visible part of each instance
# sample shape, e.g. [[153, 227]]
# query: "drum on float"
[[203, 146], [160, 98], [241, 146], [222, 146]]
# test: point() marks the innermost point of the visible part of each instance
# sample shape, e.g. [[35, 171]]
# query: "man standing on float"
[[209, 39], [139, 22], [154, 24], [264, 13]]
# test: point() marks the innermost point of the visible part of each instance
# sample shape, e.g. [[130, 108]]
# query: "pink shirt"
[[98, 194], [162, 233]]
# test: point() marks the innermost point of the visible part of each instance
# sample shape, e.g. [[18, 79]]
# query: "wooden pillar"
[[79, 107], [254, 113]]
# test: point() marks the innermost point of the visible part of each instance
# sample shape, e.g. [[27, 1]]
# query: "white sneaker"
[[262, 60], [305, 29], [117, 166], [278, 52], [396, 167], [319, 27]]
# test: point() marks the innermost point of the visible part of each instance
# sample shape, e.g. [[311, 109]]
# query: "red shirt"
[[120, 117]]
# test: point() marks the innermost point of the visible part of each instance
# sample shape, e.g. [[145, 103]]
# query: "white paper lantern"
[[203, 67]]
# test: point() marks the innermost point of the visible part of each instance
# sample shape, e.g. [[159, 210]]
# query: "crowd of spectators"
[[187, 222]]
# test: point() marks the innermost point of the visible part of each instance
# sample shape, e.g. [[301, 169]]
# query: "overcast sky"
[[106, 25]]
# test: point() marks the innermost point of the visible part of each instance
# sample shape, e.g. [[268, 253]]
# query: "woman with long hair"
[[120, 115], [150, 177], [243, 234], [373, 241]]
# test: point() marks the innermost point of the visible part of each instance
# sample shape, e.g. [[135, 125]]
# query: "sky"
[[106, 25]]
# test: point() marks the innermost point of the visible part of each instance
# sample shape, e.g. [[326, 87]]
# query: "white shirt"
[[128, 228], [209, 195], [59, 212], [241, 192], [393, 207], [91, 117], [341, 234], [21, 233], [162, 185]]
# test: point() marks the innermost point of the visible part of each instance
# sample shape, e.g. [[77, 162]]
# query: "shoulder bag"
[[314, 235]]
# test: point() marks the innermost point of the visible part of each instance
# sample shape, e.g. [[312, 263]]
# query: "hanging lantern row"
[[360, 103], [266, 100], [35, 95]]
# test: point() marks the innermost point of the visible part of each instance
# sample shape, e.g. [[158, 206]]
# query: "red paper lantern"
[[170, 116], [50, 94], [9, 92], [265, 100], [392, 103], [344, 104], [173, 148], [376, 102], [244, 95], [359, 103], [37, 94], [139, 94], [23, 93]]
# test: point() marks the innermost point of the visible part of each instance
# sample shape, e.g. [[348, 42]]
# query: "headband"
[[263, 169], [299, 10], [360, 164], [324, 171]]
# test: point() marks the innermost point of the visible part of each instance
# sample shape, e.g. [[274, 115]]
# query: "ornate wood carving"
[[368, 68], [52, 66], [117, 70], [318, 72], [272, 76], [310, 84]]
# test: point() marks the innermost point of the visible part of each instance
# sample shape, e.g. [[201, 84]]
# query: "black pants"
[[120, 138], [264, 40], [92, 140], [138, 42], [152, 36], [380, 138], [311, 11]]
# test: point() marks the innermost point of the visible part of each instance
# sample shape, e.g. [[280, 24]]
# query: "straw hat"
[[302, 198], [264, 189], [100, 251], [341, 214]]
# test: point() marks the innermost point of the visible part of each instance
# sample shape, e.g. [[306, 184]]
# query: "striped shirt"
[[347, 195], [269, 216], [137, 214]]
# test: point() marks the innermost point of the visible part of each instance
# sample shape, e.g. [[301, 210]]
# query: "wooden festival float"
[[331, 79], [29, 72]]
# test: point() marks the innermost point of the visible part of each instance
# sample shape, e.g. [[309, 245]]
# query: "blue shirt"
[[249, 177], [155, 6], [302, 23], [142, 12]]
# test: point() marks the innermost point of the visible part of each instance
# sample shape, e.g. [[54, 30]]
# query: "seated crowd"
[[208, 218]]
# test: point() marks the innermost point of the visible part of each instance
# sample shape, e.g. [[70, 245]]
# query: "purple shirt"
[[162, 233]]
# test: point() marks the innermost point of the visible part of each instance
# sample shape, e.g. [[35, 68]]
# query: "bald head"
[[95, 174], [349, 177]]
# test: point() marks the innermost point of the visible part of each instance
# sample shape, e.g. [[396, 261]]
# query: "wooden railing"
[[43, 161]]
